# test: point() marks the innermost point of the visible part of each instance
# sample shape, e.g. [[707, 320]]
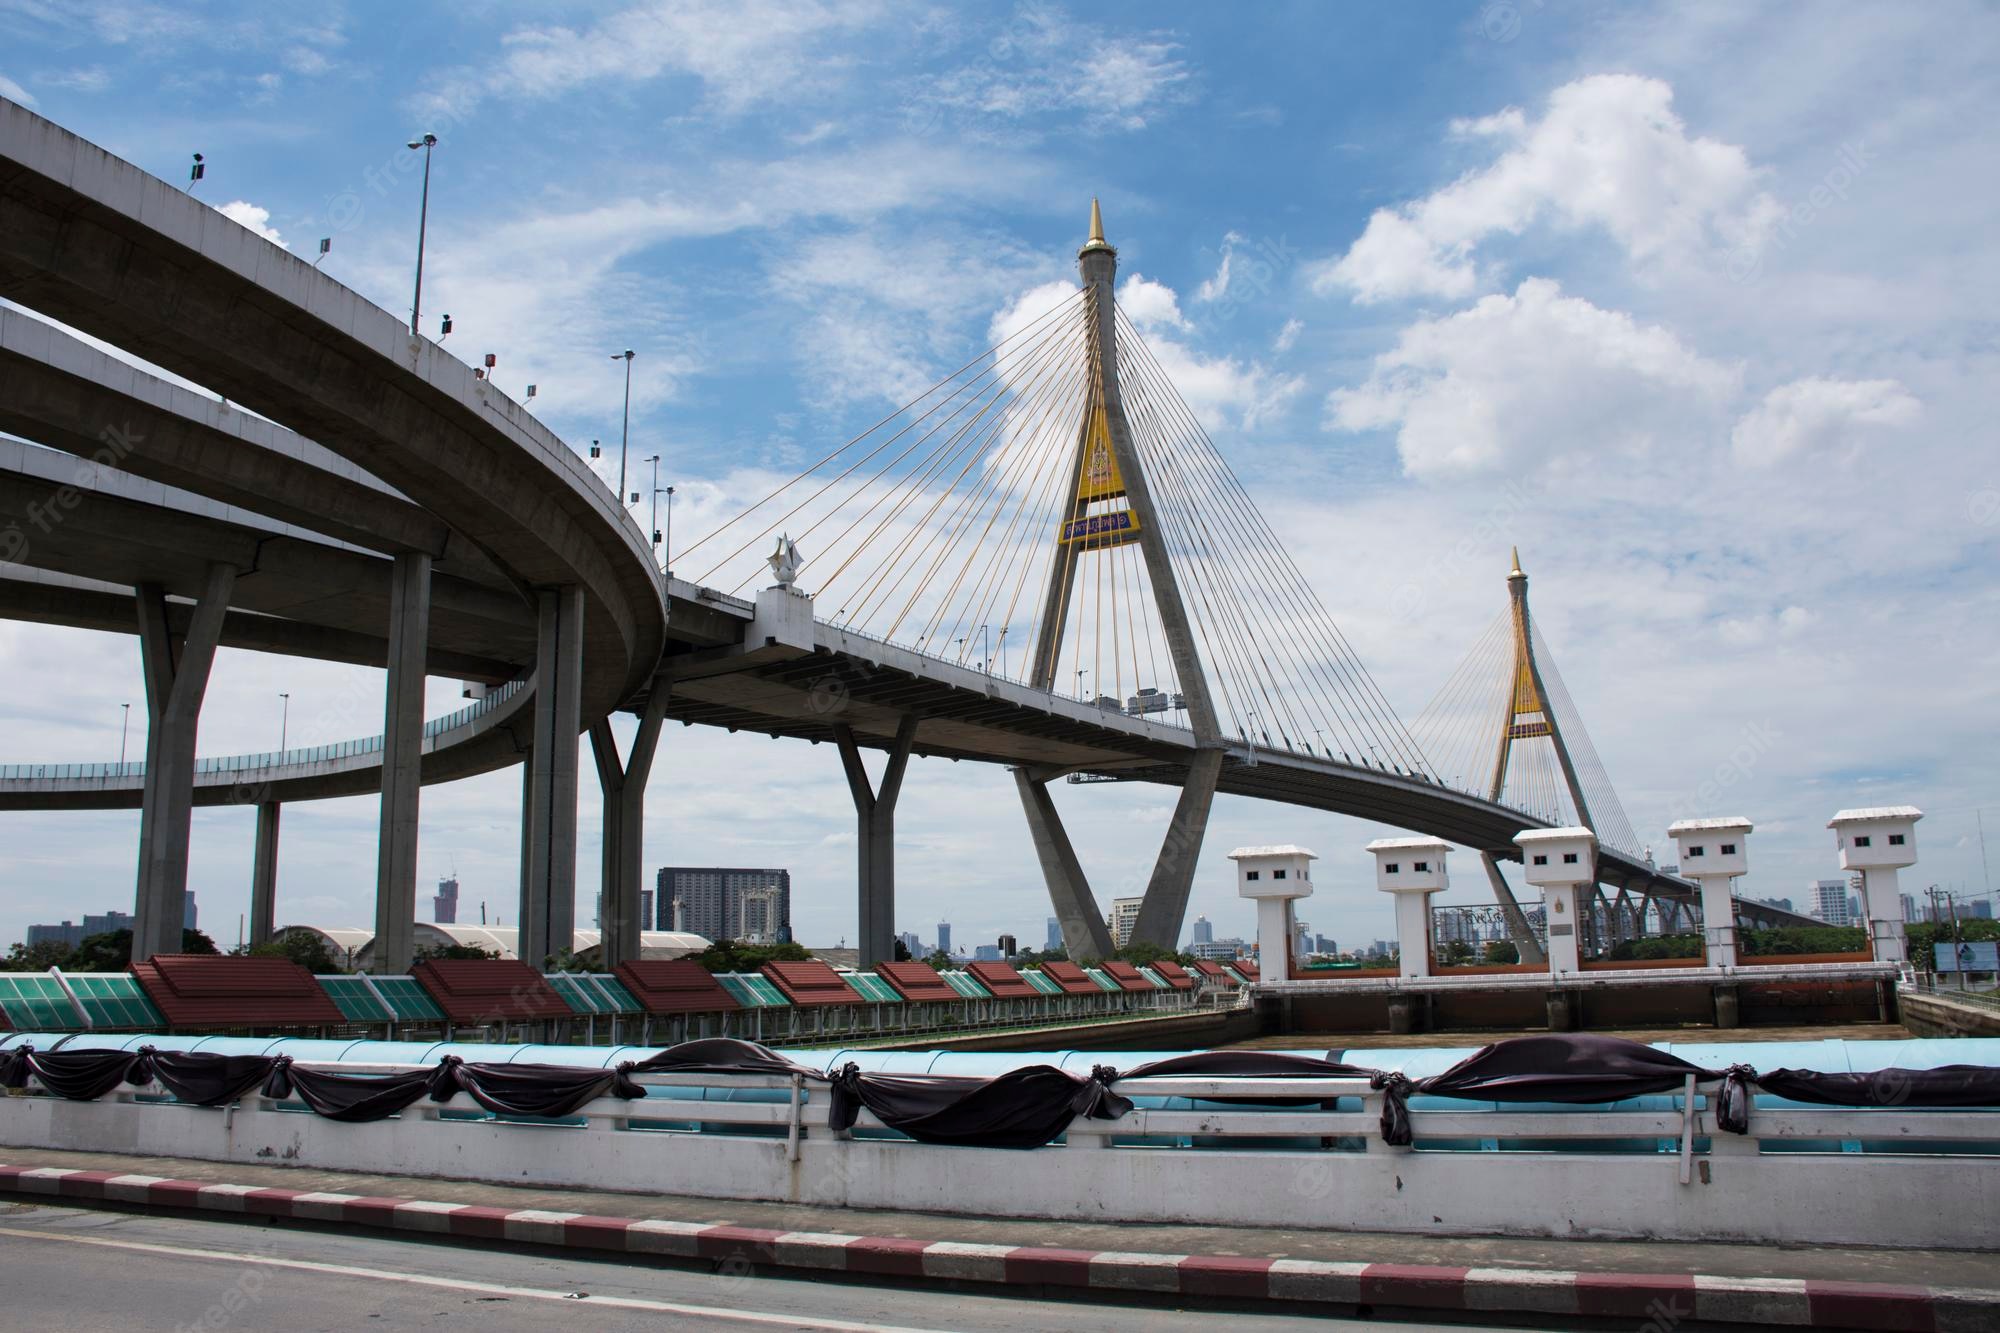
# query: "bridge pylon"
[[1110, 504]]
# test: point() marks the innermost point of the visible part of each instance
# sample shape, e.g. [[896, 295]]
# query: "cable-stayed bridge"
[[1042, 562]]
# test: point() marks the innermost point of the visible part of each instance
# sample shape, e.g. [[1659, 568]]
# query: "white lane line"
[[457, 1284]]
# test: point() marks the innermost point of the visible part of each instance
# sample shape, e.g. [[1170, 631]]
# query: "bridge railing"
[[265, 759]]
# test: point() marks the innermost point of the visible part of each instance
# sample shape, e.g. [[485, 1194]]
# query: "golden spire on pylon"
[[1516, 573], [1096, 241]]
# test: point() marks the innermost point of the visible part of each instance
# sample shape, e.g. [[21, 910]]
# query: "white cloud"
[[245, 214], [1217, 287], [1608, 154], [744, 52], [1288, 335], [88, 79], [1043, 64], [1530, 378], [1151, 305], [14, 92], [1818, 416]]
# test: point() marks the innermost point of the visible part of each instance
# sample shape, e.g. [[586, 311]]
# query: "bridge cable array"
[[964, 525]]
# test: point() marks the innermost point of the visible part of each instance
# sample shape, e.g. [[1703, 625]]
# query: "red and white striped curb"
[[1662, 1299]]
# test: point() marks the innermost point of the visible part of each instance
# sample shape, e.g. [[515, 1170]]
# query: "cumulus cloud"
[[246, 214], [1819, 416], [1043, 64], [1151, 305], [1535, 377], [1288, 335], [1217, 287], [1608, 154]]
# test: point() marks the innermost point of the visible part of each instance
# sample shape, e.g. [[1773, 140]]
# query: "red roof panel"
[[1247, 968], [677, 986], [222, 991], [1071, 978], [916, 981], [1127, 976], [1214, 971], [1174, 974], [810, 983], [1002, 980], [478, 991]]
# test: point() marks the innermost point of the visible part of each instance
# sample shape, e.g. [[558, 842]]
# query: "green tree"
[[938, 959], [902, 952], [735, 956], [38, 957], [1502, 951], [112, 951], [1145, 955], [466, 952], [308, 950]]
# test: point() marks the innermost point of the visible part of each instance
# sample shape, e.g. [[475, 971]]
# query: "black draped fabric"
[[202, 1078], [14, 1067], [721, 1055], [1251, 1064], [80, 1076], [352, 1098], [1022, 1108], [1947, 1085], [540, 1090], [1564, 1067]]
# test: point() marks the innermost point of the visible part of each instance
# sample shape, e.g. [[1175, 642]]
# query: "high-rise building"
[[912, 944], [1008, 948], [444, 905], [67, 933], [725, 902], [1204, 931], [187, 910], [1981, 908], [1909, 902], [944, 937], [986, 953], [1055, 939], [1124, 916], [1828, 901], [105, 924]]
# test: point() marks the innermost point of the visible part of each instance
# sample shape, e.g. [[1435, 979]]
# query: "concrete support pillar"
[[1565, 928], [1882, 901], [1718, 919], [264, 874], [1164, 907], [548, 899], [1084, 933], [1561, 1007], [1518, 929], [1413, 930], [875, 820], [1728, 1007], [176, 669], [622, 873], [402, 762]]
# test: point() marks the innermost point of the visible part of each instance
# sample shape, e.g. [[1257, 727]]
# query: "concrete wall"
[[1943, 1016], [1783, 1198]]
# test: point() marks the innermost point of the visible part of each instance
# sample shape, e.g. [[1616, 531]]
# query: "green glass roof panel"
[[1102, 978], [967, 985], [1154, 977], [752, 990], [35, 1003], [1045, 984], [411, 1001], [114, 1000], [622, 1001], [355, 1001], [578, 994], [871, 988]]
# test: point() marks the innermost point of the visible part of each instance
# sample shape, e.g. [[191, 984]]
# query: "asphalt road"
[[64, 1269]]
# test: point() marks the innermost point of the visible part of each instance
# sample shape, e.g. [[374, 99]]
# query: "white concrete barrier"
[[1741, 1188]]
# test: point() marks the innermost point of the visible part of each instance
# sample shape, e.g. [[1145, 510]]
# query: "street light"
[[428, 142], [625, 442], [667, 548], [124, 730], [653, 524], [284, 722]]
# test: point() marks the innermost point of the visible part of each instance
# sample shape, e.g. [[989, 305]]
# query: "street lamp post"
[[428, 142], [284, 722], [667, 547], [124, 730], [625, 440], [653, 523], [986, 649]]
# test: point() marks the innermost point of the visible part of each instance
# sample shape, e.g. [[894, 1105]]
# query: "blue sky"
[[1694, 304]]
